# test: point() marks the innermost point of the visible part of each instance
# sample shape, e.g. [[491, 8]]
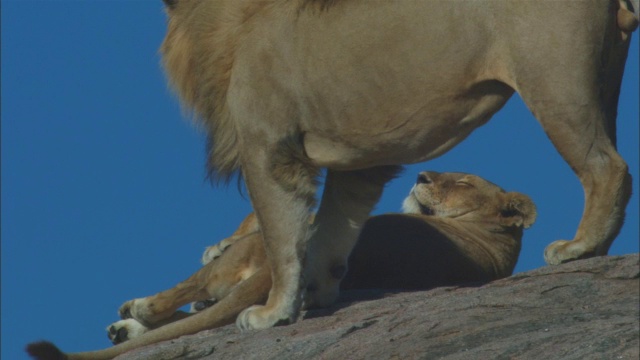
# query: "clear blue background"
[[104, 196]]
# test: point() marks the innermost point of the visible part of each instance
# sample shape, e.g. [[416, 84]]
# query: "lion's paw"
[[259, 317], [123, 330], [562, 251]]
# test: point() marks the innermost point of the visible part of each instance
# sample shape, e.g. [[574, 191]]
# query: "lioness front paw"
[[213, 252], [142, 310], [563, 251], [125, 310], [123, 330], [259, 317]]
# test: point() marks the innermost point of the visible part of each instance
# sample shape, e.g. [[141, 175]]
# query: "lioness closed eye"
[[457, 228]]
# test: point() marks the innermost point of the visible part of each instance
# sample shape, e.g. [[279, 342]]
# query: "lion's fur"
[[201, 74], [363, 86], [286, 87], [394, 251]]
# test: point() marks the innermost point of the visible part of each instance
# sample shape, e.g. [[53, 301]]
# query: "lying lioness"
[[457, 228]]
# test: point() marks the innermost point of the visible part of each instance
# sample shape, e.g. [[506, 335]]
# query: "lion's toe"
[[563, 251], [259, 317]]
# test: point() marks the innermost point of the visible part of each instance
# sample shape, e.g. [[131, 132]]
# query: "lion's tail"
[[249, 292]]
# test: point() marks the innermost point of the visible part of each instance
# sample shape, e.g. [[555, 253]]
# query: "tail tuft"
[[44, 350]]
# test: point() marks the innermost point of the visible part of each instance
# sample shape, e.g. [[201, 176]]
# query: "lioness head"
[[468, 197], [457, 228]]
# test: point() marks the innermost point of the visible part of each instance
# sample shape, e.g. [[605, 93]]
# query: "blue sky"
[[104, 196]]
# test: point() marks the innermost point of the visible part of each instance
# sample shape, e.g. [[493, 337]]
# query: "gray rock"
[[586, 309]]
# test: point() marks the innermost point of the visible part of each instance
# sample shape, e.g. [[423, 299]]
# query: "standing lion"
[[358, 87], [287, 87]]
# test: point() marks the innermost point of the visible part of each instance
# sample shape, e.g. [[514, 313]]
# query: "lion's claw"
[[258, 317], [562, 251]]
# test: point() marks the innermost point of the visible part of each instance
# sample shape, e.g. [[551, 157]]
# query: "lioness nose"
[[424, 178]]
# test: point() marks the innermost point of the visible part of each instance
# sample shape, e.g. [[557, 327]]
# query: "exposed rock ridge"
[[587, 309]]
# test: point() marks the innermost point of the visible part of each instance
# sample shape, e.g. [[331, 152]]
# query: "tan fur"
[[462, 229], [364, 85], [247, 226], [361, 84]]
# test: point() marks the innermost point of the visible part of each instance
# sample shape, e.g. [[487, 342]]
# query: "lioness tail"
[[44, 350]]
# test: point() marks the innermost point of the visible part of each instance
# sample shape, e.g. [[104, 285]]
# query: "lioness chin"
[[457, 228]]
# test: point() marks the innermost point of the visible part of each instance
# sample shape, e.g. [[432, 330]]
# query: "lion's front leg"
[[281, 184], [347, 200]]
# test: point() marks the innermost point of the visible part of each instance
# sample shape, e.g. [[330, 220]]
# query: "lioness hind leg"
[[347, 200], [214, 280], [161, 308], [578, 113], [127, 329], [248, 226]]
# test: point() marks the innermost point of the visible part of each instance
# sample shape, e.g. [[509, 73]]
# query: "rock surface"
[[587, 309]]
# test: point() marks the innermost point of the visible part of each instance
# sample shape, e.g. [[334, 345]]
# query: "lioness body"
[[457, 229], [288, 87]]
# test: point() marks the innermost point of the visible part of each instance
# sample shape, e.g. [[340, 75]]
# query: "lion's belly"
[[397, 137], [363, 98], [385, 85]]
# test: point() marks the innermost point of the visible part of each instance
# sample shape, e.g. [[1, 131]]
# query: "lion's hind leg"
[[347, 200], [576, 103]]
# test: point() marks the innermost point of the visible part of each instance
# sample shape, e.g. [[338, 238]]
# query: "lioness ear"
[[518, 210], [171, 4]]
